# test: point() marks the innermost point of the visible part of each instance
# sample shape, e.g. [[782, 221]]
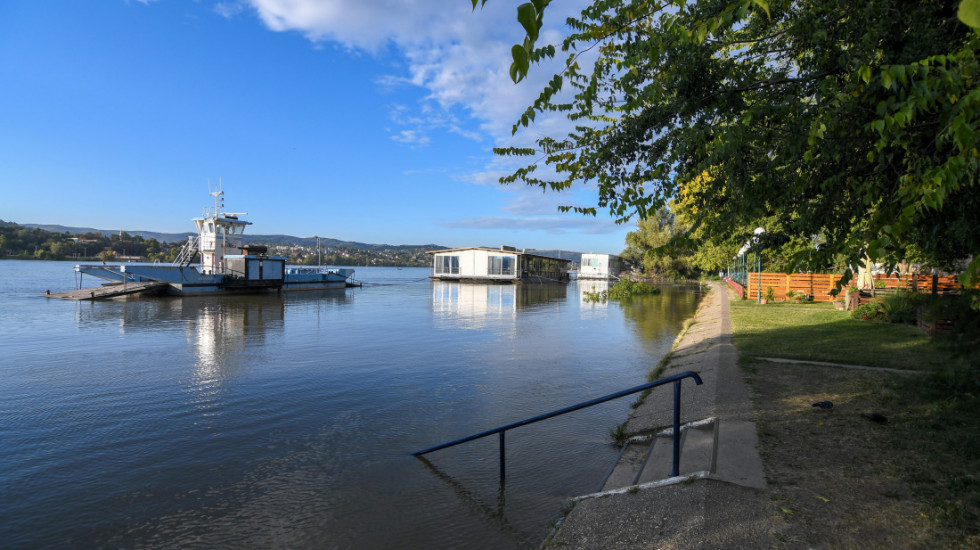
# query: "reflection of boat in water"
[[252, 270]]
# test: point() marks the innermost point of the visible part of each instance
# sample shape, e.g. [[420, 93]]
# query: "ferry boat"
[[226, 265]]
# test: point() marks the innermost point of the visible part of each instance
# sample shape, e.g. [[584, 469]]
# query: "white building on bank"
[[505, 265], [601, 266]]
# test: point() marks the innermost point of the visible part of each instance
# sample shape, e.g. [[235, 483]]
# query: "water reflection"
[[593, 286], [652, 317], [221, 330], [131, 314], [497, 515], [474, 303]]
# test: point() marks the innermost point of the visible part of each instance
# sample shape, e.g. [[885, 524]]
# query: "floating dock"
[[111, 291]]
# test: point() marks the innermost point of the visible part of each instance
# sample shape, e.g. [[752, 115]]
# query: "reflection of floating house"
[[505, 265], [600, 266]]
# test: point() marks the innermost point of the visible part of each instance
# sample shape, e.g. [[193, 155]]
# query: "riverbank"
[[728, 508], [887, 460]]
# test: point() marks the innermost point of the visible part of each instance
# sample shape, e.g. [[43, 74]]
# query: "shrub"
[[625, 289], [901, 307], [870, 311], [769, 295]]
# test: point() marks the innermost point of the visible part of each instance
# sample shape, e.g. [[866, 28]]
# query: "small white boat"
[[226, 266]]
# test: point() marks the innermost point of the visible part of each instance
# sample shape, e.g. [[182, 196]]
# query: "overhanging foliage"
[[854, 121]]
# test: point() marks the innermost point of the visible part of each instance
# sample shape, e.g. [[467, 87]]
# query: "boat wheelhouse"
[[503, 265]]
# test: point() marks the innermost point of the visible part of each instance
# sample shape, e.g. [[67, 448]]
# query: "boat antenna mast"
[[219, 199]]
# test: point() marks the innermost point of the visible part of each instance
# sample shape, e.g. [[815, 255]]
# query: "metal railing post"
[[677, 429], [502, 459]]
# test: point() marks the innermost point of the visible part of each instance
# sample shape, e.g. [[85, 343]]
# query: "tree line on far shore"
[[25, 243]]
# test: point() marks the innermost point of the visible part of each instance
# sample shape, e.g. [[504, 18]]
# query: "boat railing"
[[501, 430], [187, 251]]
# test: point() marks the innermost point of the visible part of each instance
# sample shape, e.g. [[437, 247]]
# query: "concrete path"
[[728, 508]]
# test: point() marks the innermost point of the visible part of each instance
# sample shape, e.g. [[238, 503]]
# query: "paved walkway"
[[726, 510]]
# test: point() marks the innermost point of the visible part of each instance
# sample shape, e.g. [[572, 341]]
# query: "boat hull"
[[189, 280]]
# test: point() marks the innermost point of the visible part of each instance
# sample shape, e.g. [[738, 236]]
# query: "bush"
[[625, 289], [901, 307], [871, 311]]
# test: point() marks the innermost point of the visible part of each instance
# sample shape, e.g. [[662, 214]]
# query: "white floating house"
[[601, 266], [505, 265]]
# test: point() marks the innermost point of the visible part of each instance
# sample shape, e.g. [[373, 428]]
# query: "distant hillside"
[[285, 240]]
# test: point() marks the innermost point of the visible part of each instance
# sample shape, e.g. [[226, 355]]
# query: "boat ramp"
[[111, 290]]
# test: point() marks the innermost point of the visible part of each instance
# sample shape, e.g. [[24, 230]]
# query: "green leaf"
[[969, 13], [886, 79], [528, 17], [865, 73], [764, 5], [521, 62]]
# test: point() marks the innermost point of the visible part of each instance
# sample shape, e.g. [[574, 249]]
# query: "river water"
[[287, 422]]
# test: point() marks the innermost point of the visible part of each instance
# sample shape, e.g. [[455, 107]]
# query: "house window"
[[447, 265], [500, 265]]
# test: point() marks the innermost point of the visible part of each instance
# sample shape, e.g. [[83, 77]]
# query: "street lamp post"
[[758, 258]]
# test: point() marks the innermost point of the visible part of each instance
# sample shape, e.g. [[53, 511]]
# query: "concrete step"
[[697, 451], [650, 459]]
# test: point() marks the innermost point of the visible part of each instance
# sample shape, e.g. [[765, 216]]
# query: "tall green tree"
[[648, 246], [855, 121]]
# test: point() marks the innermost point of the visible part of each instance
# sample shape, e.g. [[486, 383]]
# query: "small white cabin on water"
[[600, 266], [505, 265]]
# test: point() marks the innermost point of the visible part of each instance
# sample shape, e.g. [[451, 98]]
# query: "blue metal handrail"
[[675, 379]]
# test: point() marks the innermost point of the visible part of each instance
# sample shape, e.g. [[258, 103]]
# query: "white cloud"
[[411, 137], [460, 56], [367, 24], [228, 9]]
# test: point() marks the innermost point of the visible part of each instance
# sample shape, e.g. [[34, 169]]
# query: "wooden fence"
[[819, 285], [940, 284]]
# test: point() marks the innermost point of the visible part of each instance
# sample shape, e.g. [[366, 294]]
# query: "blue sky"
[[364, 120]]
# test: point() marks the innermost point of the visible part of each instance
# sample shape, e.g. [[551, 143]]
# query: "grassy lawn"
[[818, 332], [838, 479]]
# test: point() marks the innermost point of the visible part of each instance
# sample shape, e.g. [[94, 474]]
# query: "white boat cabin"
[[601, 266], [506, 265]]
